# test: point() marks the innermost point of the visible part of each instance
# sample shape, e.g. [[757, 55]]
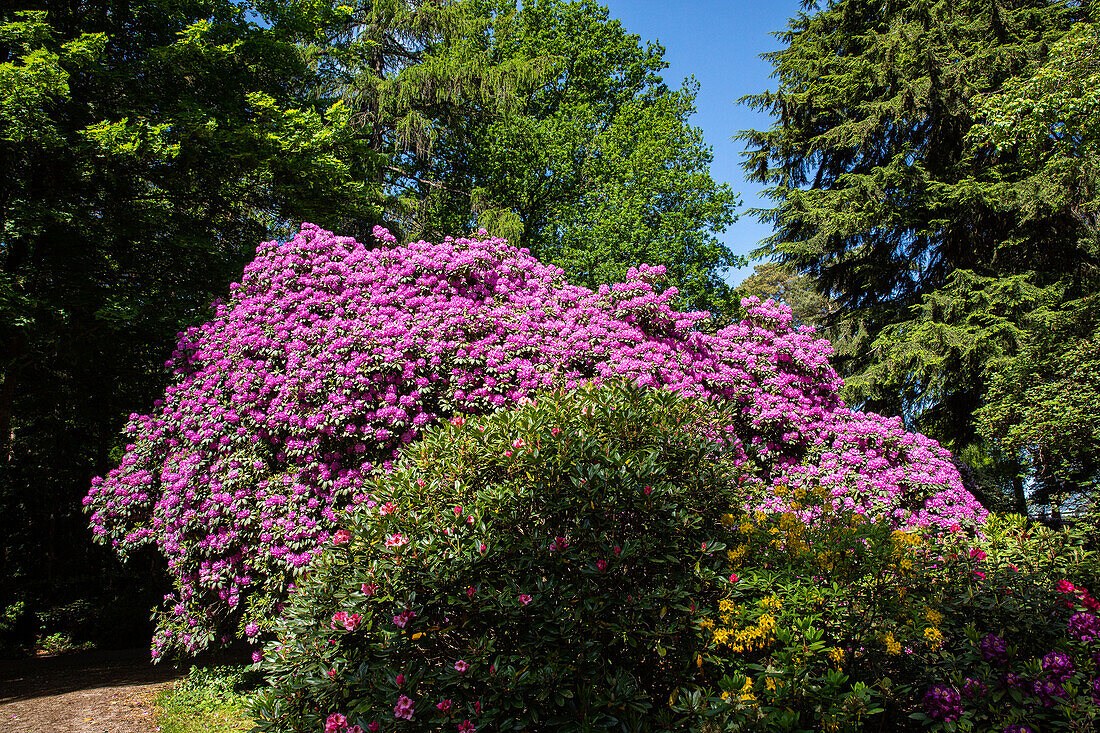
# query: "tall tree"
[[598, 169], [883, 196], [146, 147]]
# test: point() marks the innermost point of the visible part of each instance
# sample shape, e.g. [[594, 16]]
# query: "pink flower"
[[977, 554], [331, 673], [483, 547], [349, 621], [458, 421], [403, 708], [444, 706], [647, 490], [461, 666], [355, 729], [734, 577], [555, 431], [458, 511], [342, 537], [517, 443], [601, 564], [477, 707], [336, 723], [403, 618], [524, 598], [471, 591], [979, 574], [399, 680], [559, 543], [618, 550], [387, 508], [373, 727], [396, 540], [466, 727], [507, 454], [369, 588]]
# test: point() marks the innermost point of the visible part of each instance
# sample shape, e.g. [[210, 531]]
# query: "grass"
[[207, 700]]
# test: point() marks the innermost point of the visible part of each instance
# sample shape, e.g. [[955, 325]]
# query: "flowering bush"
[[845, 624], [1022, 649], [817, 615], [330, 356], [551, 566]]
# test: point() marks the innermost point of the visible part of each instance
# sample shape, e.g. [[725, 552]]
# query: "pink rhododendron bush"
[[331, 355]]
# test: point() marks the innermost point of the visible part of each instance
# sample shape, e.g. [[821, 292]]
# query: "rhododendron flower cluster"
[[330, 355]]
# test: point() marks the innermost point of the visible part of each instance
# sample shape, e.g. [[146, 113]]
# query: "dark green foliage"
[[933, 169], [146, 148], [562, 550]]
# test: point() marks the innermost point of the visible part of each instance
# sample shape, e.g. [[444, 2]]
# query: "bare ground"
[[91, 692]]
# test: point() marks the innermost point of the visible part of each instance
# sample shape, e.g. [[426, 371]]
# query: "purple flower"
[[943, 703], [1084, 627], [993, 648], [1048, 691], [1058, 666], [972, 688]]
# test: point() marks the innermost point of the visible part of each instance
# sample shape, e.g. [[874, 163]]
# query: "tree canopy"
[[919, 163]]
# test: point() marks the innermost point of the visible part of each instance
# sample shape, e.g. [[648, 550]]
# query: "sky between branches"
[[719, 42]]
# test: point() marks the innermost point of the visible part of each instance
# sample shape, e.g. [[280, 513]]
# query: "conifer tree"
[[888, 195]]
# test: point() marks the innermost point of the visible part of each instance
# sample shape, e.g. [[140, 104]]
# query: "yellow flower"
[[746, 691], [706, 623], [934, 617], [772, 602], [746, 527], [836, 654], [892, 646], [769, 682], [728, 520], [933, 636]]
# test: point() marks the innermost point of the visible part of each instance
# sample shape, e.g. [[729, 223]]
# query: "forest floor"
[[87, 692]]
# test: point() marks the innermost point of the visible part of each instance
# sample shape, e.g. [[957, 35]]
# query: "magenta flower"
[[403, 708], [444, 706], [396, 540], [466, 727], [524, 598], [369, 588], [336, 723], [342, 537], [403, 618], [461, 666]]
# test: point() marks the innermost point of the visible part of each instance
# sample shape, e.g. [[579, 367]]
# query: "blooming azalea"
[[403, 708], [396, 540], [461, 666]]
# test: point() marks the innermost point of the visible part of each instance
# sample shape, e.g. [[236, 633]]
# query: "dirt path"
[[92, 692]]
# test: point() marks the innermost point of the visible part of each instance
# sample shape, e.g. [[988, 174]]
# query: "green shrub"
[[540, 569]]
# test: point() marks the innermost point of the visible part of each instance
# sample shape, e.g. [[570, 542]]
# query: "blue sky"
[[719, 42]]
